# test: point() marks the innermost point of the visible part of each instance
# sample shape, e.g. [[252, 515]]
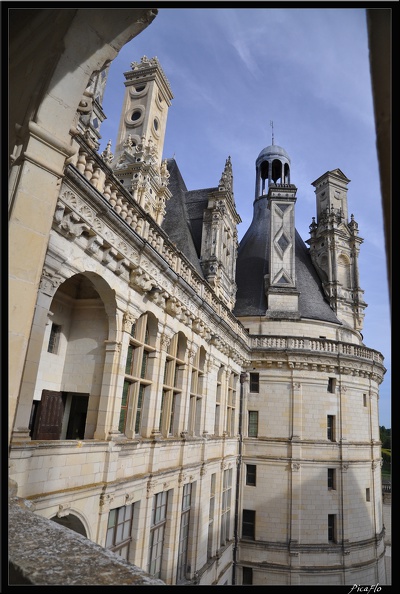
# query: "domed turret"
[[272, 164]]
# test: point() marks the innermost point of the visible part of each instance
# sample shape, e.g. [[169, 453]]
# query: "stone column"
[[48, 285], [113, 382]]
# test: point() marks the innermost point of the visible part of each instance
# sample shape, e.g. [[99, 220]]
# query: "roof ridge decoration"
[[226, 181], [151, 63]]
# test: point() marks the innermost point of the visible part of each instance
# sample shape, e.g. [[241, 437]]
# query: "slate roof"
[[183, 224], [252, 264], [177, 221]]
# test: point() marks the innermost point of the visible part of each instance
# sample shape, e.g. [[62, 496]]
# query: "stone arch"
[[69, 383], [72, 522]]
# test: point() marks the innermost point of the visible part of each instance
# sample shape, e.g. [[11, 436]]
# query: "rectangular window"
[[253, 423], [331, 478], [196, 392], [251, 474], [254, 382], [124, 406], [331, 427], [332, 528], [226, 506], [54, 339], [231, 404], [211, 517], [364, 399], [158, 522], [119, 530], [331, 385], [368, 494], [139, 408], [248, 524], [184, 533], [247, 576]]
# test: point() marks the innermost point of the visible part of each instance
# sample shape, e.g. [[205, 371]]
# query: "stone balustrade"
[[323, 346]]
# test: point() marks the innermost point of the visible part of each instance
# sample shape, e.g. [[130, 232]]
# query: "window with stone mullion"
[[170, 387], [231, 404], [196, 393], [136, 374]]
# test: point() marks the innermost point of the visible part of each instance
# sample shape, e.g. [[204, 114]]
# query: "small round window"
[[140, 88], [155, 124], [135, 116]]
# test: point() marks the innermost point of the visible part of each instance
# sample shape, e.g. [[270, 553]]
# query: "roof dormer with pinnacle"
[[334, 249], [219, 241]]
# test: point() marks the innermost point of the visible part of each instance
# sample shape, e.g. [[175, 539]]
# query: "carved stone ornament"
[[129, 498], [165, 342], [105, 500], [150, 487], [128, 320], [49, 282], [63, 511]]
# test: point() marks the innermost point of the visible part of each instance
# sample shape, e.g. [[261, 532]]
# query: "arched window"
[[172, 384], [137, 374], [196, 392]]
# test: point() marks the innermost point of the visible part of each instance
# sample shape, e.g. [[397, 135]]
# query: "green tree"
[[385, 437]]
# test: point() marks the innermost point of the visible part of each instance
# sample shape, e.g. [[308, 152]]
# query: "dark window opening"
[[331, 479], [54, 339], [254, 382], [251, 474], [248, 524], [247, 576], [332, 528], [331, 385], [331, 427]]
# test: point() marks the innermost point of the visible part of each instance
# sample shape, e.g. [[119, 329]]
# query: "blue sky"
[[232, 71]]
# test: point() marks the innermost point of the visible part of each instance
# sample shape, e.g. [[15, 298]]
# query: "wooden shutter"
[[50, 416]]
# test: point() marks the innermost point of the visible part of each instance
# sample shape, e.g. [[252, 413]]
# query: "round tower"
[[311, 500]]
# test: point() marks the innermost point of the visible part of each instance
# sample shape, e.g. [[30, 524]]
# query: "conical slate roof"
[[253, 264]]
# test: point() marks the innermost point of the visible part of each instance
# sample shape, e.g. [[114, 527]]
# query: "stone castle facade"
[[203, 408]]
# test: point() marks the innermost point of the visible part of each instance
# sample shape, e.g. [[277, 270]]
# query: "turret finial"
[[272, 126]]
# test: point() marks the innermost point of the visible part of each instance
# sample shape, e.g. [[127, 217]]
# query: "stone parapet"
[[42, 552]]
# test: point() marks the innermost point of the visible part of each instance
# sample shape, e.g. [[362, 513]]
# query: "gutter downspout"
[[243, 376]]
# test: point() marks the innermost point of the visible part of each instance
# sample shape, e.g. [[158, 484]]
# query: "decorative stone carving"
[[71, 224], [107, 155], [63, 511], [150, 486], [128, 320], [105, 501], [141, 281], [49, 282], [129, 498], [165, 341]]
